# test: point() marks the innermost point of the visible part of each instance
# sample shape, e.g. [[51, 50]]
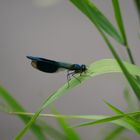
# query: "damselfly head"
[[83, 68]]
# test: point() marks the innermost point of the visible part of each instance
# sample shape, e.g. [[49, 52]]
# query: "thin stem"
[[130, 55], [119, 20], [137, 3]]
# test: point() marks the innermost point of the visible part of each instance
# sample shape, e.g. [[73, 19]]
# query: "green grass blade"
[[114, 133], [130, 120], [97, 17], [51, 131], [111, 66], [116, 119], [120, 23], [37, 129], [98, 68], [132, 81], [137, 3], [119, 20], [135, 114], [131, 102], [15, 106], [68, 130]]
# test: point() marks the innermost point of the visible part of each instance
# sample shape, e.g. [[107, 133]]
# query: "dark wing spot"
[[47, 66]]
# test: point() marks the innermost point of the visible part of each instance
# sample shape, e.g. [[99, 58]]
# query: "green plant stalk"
[[127, 75], [120, 23], [137, 3], [119, 20]]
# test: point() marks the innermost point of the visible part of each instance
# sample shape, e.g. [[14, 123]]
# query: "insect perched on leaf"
[[51, 66]]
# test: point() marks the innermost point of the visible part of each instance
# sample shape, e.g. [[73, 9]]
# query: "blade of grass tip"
[[103, 119], [109, 66], [114, 133], [93, 70], [68, 130], [96, 16], [100, 121], [117, 119], [14, 105], [120, 23], [130, 120]]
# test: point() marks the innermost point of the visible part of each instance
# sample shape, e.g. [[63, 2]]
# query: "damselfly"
[[51, 66]]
